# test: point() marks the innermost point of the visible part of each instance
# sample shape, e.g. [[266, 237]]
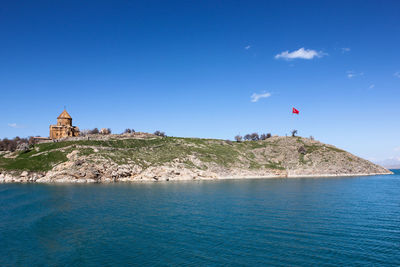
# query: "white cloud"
[[301, 53], [16, 126], [351, 74], [371, 86], [13, 125], [247, 47], [397, 74], [345, 49], [255, 97]]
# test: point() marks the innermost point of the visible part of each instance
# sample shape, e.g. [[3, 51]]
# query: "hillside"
[[145, 157]]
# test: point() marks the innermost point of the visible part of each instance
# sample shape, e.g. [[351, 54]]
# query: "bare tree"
[[105, 131], [12, 144], [31, 141], [84, 132], [255, 137], [294, 132], [94, 131], [238, 138]]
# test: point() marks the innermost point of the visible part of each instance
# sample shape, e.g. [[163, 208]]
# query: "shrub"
[[238, 138], [159, 133], [302, 150], [294, 132], [247, 137], [128, 130]]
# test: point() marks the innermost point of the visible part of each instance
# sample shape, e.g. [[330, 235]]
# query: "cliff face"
[[149, 158]]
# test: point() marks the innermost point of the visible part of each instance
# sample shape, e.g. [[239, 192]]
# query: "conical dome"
[[64, 115]]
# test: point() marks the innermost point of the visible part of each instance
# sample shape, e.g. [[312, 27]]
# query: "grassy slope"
[[148, 152]]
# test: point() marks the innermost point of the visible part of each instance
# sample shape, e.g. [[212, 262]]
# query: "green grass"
[[43, 162], [311, 148], [273, 165], [335, 149]]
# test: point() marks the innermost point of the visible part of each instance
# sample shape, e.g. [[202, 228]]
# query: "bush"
[[238, 138], [302, 150], [158, 133], [294, 132], [128, 130], [247, 137]]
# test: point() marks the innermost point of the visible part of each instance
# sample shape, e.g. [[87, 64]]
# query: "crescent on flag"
[[295, 111]]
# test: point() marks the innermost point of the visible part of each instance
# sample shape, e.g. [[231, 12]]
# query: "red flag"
[[295, 111]]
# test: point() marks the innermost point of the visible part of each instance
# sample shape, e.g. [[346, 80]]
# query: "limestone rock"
[[23, 147]]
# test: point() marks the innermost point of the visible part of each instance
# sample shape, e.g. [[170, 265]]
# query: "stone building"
[[64, 127]]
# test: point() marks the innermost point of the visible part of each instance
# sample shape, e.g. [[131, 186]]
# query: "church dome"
[[64, 115]]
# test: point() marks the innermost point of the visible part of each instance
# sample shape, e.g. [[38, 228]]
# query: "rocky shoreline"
[[33, 177]]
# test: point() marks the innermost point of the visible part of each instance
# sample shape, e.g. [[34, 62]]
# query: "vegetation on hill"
[[134, 156]]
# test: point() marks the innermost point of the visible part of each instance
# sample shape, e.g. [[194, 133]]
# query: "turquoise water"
[[260, 222]]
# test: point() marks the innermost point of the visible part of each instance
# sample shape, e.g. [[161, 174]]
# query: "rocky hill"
[[145, 157]]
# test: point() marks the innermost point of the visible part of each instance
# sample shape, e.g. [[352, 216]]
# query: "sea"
[[349, 221]]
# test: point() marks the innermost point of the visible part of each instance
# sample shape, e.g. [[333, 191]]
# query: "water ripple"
[[295, 222]]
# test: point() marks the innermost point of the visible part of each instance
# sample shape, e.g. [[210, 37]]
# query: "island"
[[137, 156]]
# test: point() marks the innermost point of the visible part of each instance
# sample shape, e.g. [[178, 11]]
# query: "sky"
[[210, 69]]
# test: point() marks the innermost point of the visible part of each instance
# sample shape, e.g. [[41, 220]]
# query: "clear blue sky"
[[190, 68]]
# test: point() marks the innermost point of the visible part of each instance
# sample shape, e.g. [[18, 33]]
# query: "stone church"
[[64, 127]]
